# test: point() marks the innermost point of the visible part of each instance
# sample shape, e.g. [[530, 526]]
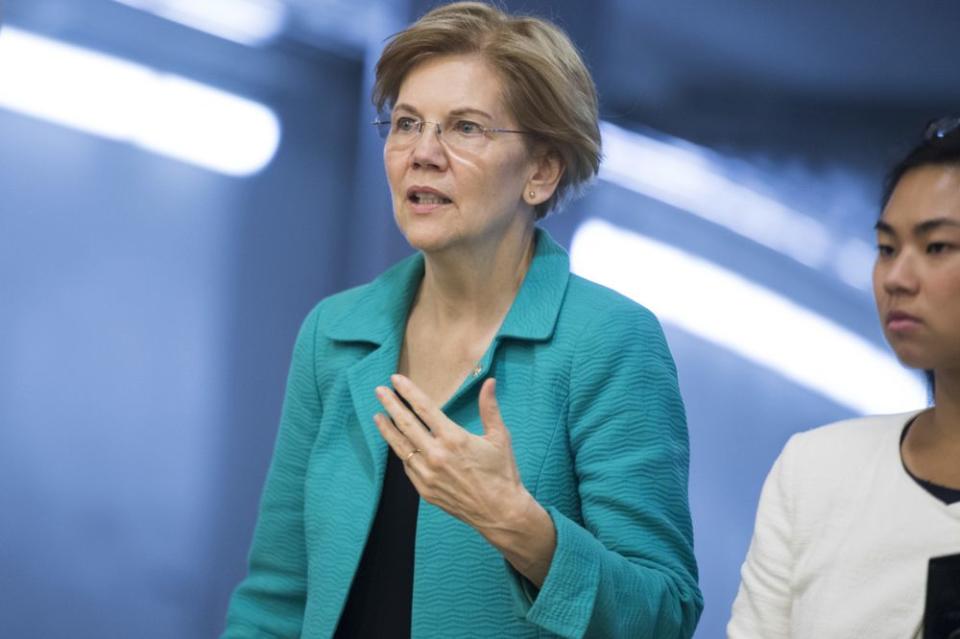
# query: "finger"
[[424, 407], [406, 422], [399, 444], [493, 425], [414, 474]]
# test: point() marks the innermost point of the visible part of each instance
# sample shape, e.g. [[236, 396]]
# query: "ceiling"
[[882, 53], [864, 74], [728, 73], [843, 50]]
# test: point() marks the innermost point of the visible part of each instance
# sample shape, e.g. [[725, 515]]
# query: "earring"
[[532, 194]]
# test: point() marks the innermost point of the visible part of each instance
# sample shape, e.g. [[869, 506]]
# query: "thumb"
[[493, 426]]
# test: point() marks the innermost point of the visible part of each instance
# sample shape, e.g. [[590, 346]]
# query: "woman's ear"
[[548, 169]]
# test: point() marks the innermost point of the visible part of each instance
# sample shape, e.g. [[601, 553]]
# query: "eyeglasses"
[[462, 135], [942, 128]]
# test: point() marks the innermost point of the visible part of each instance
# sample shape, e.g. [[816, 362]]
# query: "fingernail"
[[396, 379]]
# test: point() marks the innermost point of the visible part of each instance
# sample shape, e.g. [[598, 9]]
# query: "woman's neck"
[[945, 416], [931, 449], [476, 286]]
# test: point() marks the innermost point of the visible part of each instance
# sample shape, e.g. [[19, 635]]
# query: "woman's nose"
[[901, 275], [428, 150]]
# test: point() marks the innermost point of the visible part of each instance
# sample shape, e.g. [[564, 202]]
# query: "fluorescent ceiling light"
[[752, 321], [249, 22], [681, 175], [120, 100]]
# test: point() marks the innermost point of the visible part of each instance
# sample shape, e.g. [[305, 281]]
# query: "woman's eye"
[[466, 127], [405, 125], [937, 247], [884, 250]]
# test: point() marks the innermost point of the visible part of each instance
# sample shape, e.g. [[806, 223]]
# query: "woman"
[[852, 513], [411, 494]]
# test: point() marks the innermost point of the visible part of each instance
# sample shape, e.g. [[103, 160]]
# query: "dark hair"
[[934, 150]]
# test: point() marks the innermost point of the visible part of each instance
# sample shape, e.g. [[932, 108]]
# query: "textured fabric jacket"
[[842, 539], [588, 389]]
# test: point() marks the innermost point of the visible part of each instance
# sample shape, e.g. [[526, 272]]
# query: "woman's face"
[[916, 278], [445, 195]]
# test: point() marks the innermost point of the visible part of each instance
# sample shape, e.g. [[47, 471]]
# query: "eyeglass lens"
[[402, 135]]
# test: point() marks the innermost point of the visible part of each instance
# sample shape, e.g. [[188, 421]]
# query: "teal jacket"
[[588, 390]]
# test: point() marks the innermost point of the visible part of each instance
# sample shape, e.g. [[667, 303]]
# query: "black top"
[[378, 606], [944, 493]]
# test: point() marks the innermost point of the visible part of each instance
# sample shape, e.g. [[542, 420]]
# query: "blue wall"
[[148, 311]]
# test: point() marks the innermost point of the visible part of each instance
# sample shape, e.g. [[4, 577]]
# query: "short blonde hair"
[[546, 84]]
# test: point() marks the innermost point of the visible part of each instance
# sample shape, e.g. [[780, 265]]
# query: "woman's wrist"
[[526, 537]]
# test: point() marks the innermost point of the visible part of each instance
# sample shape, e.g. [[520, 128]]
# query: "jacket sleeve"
[[763, 604], [628, 569], [270, 601]]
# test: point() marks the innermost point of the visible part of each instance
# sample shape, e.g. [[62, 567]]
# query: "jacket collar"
[[534, 312], [380, 314]]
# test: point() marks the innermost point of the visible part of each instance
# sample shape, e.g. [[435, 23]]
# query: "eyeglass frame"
[[942, 128], [420, 124]]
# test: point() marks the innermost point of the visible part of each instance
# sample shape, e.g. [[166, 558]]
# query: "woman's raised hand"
[[474, 478]]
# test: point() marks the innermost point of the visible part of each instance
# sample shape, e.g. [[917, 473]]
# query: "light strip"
[[120, 100], [249, 22], [752, 321], [681, 175]]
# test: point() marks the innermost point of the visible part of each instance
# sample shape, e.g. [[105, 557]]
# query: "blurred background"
[[182, 180]]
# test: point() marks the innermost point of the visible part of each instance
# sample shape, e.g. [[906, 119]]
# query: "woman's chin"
[[427, 242], [914, 358]]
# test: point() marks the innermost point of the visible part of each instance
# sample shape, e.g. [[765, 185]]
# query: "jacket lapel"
[[372, 371], [376, 317]]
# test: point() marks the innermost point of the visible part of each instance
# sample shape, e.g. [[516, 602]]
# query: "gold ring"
[[410, 455]]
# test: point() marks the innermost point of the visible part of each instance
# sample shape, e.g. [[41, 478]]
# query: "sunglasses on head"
[[942, 128]]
